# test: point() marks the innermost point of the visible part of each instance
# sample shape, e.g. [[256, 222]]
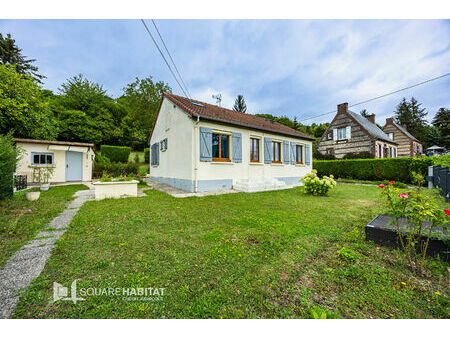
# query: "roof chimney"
[[342, 108], [371, 118], [390, 120]]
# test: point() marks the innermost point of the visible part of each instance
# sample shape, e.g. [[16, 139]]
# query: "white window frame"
[[342, 133], [44, 164]]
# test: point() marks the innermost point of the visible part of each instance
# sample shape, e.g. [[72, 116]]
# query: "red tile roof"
[[215, 113]]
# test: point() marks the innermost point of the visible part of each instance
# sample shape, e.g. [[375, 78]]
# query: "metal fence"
[[439, 177], [20, 182]]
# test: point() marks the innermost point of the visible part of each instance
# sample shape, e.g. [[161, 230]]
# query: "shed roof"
[[63, 143]]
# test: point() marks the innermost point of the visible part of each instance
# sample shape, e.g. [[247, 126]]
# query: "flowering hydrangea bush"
[[418, 209], [316, 186]]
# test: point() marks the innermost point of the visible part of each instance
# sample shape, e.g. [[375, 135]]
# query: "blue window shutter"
[[237, 147], [307, 154], [293, 153], [165, 140], [268, 150], [205, 144], [286, 159]]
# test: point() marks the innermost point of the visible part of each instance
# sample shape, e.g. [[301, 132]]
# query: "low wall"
[[115, 189]]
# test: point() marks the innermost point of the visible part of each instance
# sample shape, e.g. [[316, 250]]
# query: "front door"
[[74, 166]]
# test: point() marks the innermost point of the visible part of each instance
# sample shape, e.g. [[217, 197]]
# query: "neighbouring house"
[[408, 145], [196, 146], [350, 132], [71, 161]]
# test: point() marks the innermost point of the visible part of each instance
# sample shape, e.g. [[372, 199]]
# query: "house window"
[[330, 151], [220, 147], [330, 136], [391, 136], [276, 152], [380, 151], [42, 159], [254, 149], [299, 154], [342, 133]]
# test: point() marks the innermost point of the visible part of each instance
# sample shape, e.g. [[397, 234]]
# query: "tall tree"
[[24, 110], [239, 104], [442, 122], [142, 98], [11, 54], [432, 137], [85, 113], [411, 115]]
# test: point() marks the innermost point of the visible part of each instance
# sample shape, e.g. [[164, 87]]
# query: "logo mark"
[[60, 292]]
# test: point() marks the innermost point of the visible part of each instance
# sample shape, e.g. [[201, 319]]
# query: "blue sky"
[[282, 67]]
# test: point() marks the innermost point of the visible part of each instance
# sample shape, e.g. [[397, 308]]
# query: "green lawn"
[[21, 220], [260, 255]]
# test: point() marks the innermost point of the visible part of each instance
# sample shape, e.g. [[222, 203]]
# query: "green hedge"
[[443, 161], [147, 155], [115, 153], [9, 155], [397, 169], [114, 169]]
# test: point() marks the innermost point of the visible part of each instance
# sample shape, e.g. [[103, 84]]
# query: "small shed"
[[71, 161]]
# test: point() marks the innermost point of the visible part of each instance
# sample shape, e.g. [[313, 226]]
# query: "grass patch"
[[279, 254], [21, 220]]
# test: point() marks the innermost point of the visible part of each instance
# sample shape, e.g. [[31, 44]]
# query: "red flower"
[[381, 186], [447, 212], [392, 182], [404, 195]]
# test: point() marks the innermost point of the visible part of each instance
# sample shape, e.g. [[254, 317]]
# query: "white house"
[[195, 146], [71, 161]]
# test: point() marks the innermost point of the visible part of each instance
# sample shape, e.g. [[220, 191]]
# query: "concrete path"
[[28, 263], [181, 193]]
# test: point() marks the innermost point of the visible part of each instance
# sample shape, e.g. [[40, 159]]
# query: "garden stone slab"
[[27, 263], [39, 242], [50, 233], [29, 253]]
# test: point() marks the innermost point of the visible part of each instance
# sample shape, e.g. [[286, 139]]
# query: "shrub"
[[103, 166], [417, 209], [9, 156], [319, 156], [115, 153], [316, 186], [147, 155], [363, 154], [379, 169], [136, 158], [347, 254], [443, 161], [420, 165]]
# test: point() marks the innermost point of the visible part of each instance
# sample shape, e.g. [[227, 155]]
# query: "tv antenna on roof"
[[218, 98]]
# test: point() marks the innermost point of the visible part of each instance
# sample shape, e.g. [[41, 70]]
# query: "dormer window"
[[391, 136]]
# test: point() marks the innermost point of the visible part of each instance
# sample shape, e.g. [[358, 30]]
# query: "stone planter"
[[32, 195], [115, 189], [45, 186]]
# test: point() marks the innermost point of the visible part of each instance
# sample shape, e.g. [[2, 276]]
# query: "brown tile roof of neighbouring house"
[[62, 143], [219, 114]]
